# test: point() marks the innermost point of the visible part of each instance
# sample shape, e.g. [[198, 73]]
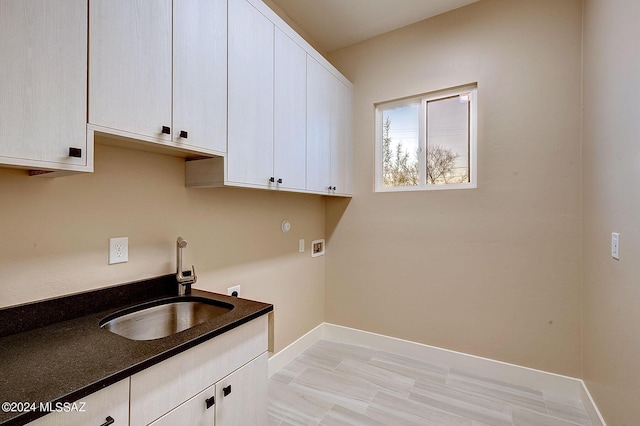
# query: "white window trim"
[[422, 100]]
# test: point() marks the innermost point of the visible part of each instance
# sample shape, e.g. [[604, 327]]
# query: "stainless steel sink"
[[162, 318]]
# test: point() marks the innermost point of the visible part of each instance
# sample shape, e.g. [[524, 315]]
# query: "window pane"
[[448, 140], [400, 146]]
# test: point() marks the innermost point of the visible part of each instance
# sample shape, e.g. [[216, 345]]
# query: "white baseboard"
[[288, 354], [591, 407], [556, 384]]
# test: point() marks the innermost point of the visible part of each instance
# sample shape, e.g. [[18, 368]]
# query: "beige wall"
[[55, 235], [492, 271], [611, 202]]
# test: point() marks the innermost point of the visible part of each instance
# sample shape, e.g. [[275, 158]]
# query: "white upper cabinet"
[[267, 92], [289, 112], [289, 157], [250, 104], [157, 72], [341, 151], [319, 93], [228, 80], [200, 74], [130, 66], [328, 132], [43, 85]]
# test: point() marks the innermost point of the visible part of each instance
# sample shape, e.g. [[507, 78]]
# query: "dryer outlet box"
[[317, 248]]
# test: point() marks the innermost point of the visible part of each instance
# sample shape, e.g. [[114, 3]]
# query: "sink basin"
[[164, 317]]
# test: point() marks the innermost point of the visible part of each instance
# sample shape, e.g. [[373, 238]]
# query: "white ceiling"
[[333, 24]]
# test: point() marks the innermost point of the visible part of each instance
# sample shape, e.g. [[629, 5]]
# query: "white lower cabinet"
[[241, 397], [175, 391], [222, 381], [238, 399], [109, 406]]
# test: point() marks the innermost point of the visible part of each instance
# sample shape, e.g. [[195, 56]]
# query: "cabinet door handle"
[[75, 152], [183, 134], [332, 188], [272, 179], [280, 180], [210, 402], [226, 390], [166, 130], [109, 421]]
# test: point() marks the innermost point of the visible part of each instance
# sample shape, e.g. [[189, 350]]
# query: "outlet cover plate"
[[118, 250]]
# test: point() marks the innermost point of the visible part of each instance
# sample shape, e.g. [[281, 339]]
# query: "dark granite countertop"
[[55, 351]]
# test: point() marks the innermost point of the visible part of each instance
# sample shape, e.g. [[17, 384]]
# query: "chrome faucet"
[[185, 278]]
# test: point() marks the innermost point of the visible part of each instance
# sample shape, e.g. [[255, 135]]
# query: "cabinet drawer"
[[96, 409], [198, 411], [158, 389]]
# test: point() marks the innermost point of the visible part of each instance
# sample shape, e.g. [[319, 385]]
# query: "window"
[[427, 142]]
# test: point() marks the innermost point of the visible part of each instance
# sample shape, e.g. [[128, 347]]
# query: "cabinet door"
[[319, 91], [130, 65], [250, 132], [341, 138], [200, 74], [98, 408], [198, 411], [241, 397], [289, 158], [43, 46]]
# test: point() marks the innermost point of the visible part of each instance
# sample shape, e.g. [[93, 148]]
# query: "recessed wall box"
[[317, 248]]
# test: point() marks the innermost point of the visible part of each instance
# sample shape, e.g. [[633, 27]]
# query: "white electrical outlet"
[[615, 245], [301, 246], [118, 250], [235, 289]]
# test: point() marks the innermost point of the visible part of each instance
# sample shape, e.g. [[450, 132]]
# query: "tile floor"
[[337, 384]]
